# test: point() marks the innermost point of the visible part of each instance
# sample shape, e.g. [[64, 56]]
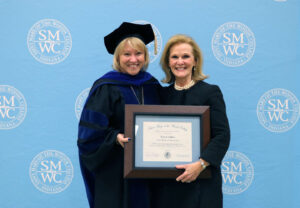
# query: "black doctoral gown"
[[101, 158], [202, 193]]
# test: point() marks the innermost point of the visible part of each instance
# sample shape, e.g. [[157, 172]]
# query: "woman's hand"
[[191, 172], [121, 139]]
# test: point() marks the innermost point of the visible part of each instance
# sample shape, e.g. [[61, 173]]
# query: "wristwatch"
[[202, 164]]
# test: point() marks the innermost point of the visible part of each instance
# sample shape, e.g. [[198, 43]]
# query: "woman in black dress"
[[182, 65], [101, 128]]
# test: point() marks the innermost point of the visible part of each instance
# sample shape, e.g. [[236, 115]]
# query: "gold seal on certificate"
[[163, 137]]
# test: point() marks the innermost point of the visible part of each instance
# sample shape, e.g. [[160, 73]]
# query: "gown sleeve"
[[98, 126], [220, 132]]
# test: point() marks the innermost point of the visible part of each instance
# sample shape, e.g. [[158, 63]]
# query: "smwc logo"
[[278, 110], [233, 44], [80, 101], [237, 173], [13, 107], [51, 171], [49, 41]]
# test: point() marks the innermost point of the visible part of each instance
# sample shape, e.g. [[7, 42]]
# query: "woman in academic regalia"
[[182, 64], [101, 128]]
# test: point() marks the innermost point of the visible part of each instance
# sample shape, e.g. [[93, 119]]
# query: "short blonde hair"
[[164, 61], [135, 43]]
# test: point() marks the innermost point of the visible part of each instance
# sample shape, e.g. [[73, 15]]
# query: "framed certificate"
[[164, 136]]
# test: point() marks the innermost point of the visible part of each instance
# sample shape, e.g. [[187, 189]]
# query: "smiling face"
[[131, 60], [181, 62]]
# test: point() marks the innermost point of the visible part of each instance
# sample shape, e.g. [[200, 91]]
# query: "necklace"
[[185, 87], [137, 98]]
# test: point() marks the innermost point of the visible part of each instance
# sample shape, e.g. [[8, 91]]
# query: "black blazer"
[[203, 93]]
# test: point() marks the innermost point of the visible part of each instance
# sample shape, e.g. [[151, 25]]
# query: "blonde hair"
[[135, 43], [164, 61]]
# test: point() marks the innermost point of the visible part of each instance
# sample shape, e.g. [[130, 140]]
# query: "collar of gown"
[[127, 79]]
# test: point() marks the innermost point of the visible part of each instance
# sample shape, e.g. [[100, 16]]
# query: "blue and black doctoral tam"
[[126, 30]]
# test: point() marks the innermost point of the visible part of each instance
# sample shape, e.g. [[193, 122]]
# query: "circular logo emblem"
[[51, 171], [13, 107], [237, 173], [49, 41], [233, 44], [150, 46], [278, 110], [80, 101]]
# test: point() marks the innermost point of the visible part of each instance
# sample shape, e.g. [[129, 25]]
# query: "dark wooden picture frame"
[[131, 111]]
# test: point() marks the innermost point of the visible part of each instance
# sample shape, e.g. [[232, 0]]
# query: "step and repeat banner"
[[52, 51]]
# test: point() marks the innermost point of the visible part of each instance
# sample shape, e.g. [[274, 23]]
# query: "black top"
[[205, 193], [205, 94]]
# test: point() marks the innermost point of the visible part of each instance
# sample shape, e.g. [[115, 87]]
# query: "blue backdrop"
[[52, 51]]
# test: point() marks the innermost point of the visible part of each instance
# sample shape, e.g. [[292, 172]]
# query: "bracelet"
[[202, 164]]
